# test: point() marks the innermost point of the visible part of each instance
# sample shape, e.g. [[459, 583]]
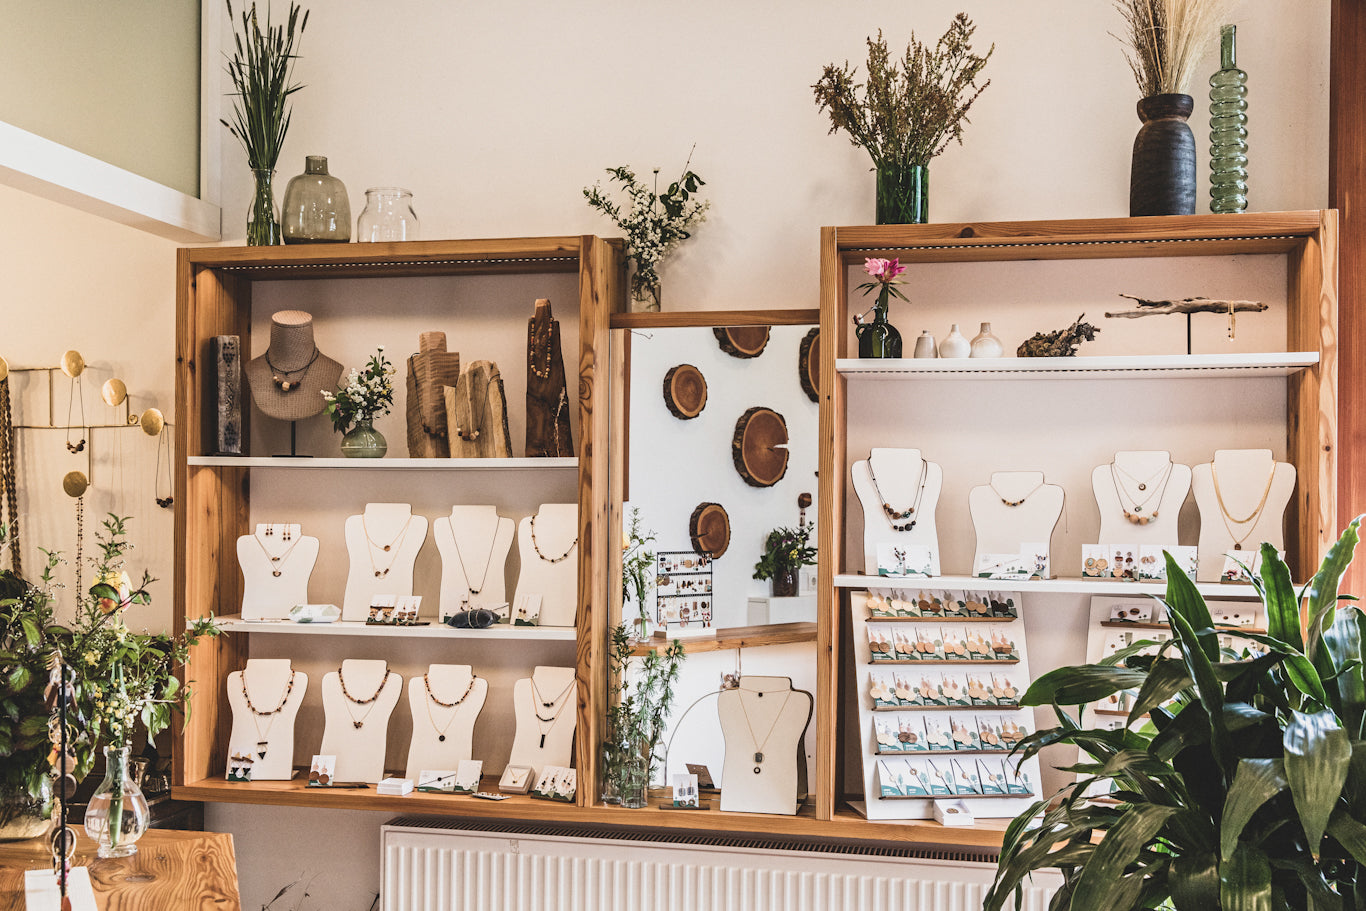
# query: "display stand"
[[1001, 528], [474, 542], [549, 568], [443, 719], [276, 691], [277, 562], [899, 475], [763, 722], [287, 381], [357, 732], [540, 742], [1139, 483], [383, 545], [1253, 486]]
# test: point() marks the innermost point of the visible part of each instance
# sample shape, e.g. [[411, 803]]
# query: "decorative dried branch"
[[1165, 40], [1184, 305]]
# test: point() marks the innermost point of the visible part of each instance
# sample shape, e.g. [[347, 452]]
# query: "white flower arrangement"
[[364, 395]]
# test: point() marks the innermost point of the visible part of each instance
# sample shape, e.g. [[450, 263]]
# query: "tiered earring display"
[[940, 676], [683, 591]]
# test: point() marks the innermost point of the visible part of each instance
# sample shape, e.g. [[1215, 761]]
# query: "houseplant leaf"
[[1101, 883], [1282, 606], [1194, 881], [1255, 782], [1166, 678], [1349, 833], [1184, 599], [1323, 588], [1079, 685], [1317, 755], [1207, 686], [1245, 881], [1343, 642]]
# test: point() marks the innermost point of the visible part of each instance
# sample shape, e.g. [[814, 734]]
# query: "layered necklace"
[[360, 722], [898, 517], [263, 737], [758, 744], [1137, 515], [537, 547], [1250, 520], [488, 561], [281, 378], [546, 725], [432, 697], [277, 562], [541, 352], [386, 548], [1013, 503]]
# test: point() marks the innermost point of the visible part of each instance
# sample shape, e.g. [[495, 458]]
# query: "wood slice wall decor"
[[685, 391], [430, 371], [709, 528], [759, 446], [742, 341], [809, 364], [477, 414]]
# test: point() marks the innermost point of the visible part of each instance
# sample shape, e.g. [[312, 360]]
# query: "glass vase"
[[316, 210], [784, 583], [635, 780], [903, 194], [611, 775], [22, 815], [1228, 129], [117, 815], [263, 221], [363, 441], [388, 216], [878, 338]]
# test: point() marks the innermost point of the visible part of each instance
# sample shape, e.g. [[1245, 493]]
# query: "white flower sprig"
[[364, 395]]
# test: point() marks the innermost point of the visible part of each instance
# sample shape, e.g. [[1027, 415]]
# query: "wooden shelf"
[[1167, 366], [233, 623], [735, 637], [1243, 591], [404, 464]]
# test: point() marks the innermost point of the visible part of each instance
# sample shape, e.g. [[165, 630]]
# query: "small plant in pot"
[[1244, 787], [641, 697], [637, 571], [786, 551], [363, 396]]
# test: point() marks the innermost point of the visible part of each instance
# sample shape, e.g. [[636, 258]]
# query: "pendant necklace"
[[534, 352], [1137, 515], [537, 547], [555, 716], [896, 516], [383, 681], [263, 737], [1013, 503], [471, 433], [488, 561], [281, 378], [277, 563], [386, 548], [1251, 519], [432, 697], [758, 746]]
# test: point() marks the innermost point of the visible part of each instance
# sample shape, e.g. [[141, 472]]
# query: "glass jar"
[[316, 209], [388, 216], [21, 814], [117, 815]]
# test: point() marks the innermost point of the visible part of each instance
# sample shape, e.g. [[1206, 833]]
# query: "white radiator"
[[443, 865]]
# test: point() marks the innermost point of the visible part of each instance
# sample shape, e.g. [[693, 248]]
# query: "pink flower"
[[884, 270]]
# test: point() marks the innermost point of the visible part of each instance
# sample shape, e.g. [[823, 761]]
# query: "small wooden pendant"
[[261, 749], [757, 770], [386, 547], [441, 737], [275, 572], [1143, 487], [1237, 545], [358, 724]]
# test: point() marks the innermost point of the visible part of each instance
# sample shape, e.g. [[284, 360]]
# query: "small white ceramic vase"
[[924, 346], [986, 344], [954, 344]]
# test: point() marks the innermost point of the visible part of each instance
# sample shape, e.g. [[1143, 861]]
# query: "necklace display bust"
[[287, 382]]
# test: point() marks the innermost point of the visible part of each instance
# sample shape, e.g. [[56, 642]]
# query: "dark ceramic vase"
[[1163, 178]]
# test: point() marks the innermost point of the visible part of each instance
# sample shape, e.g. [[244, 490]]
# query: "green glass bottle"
[[1228, 128], [878, 338]]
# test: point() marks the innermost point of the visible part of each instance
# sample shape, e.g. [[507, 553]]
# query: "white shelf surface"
[[1143, 366], [1041, 586], [521, 464], [233, 623]]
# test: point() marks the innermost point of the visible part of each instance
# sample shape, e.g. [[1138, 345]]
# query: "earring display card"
[[439, 781], [241, 757], [895, 559], [526, 610], [944, 728], [394, 610], [322, 771], [683, 592]]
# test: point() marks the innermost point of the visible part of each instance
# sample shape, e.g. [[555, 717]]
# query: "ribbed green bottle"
[[1228, 128]]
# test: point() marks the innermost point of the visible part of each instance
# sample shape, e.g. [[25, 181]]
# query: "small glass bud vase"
[[118, 814], [388, 216], [263, 218], [1228, 129], [316, 209]]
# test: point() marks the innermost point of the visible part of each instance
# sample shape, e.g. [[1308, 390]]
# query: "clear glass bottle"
[[117, 815], [388, 216], [316, 208], [1228, 128]]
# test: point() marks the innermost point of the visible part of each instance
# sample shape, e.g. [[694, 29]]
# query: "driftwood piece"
[[547, 397], [709, 529], [742, 341], [477, 414], [685, 391], [759, 447], [430, 371], [1062, 343], [1184, 305], [225, 395], [809, 364]]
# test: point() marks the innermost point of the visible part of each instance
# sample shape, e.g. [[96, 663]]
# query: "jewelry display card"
[[892, 604], [892, 644], [240, 761], [1095, 561], [439, 781], [467, 775], [1152, 562], [1242, 565], [315, 613], [516, 779], [895, 559], [1013, 567], [965, 732], [322, 771], [394, 610], [556, 783], [526, 610], [683, 591], [685, 790]]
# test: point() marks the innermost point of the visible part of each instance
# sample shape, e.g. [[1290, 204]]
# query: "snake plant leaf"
[[1080, 685], [1245, 881], [1185, 601], [1323, 588], [1349, 833], [1194, 881], [1165, 679], [1102, 883], [1318, 753], [1255, 782], [1343, 642]]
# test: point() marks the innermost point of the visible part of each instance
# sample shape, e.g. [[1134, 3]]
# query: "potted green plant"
[[637, 571], [641, 697], [908, 112], [786, 551], [1244, 787], [354, 405]]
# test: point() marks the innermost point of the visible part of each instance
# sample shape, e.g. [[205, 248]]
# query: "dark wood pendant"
[[757, 770], [543, 741], [441, 737], [275, 572], [386, 547], [1143, 487], [1237, 545], [358, 724]]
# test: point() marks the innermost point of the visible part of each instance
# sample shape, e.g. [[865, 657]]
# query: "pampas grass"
[[1165, 40]]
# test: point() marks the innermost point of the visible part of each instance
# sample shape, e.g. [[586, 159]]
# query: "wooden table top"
[[172, 871]]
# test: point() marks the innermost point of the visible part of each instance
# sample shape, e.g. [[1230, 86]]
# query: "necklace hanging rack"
[[432, 697], [535, 545], [383, 681], [1013, 503], [558, 704], [372, 545], [488, 561], [897, 516], [1136, 515], [277, 562], [758, 745], [1251, 519], [281, 378]]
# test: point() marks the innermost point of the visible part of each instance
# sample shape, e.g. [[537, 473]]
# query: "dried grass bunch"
[[910, 110], [1164, 40]]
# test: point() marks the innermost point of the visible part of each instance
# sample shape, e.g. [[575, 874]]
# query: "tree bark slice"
[[430, 371], [1184, 305], [742, 341], [548, 402], [477, 413], [709, 528], [685, 391], [809, 364], [759, 447]]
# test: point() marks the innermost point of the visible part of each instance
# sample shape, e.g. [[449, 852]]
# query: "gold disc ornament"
[[73, 365], [75, 484], [114, 392], [152, 422]]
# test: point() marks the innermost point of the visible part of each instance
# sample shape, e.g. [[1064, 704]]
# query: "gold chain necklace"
[[277, 564], [383, 682], [1251, 517], [554, 719], [493, 544], [1136, 516], [432, 697], [759, 747], [386, 548]]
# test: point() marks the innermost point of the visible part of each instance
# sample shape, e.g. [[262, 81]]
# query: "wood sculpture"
[[759, 447], [685, 391], [1184, 305], [430, 371], [709, 529], [742, 341], [477, 414], [547, 397]]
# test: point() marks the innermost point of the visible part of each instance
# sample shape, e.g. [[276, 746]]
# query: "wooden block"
[[430, 370], [225, 395], [477, 414]]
